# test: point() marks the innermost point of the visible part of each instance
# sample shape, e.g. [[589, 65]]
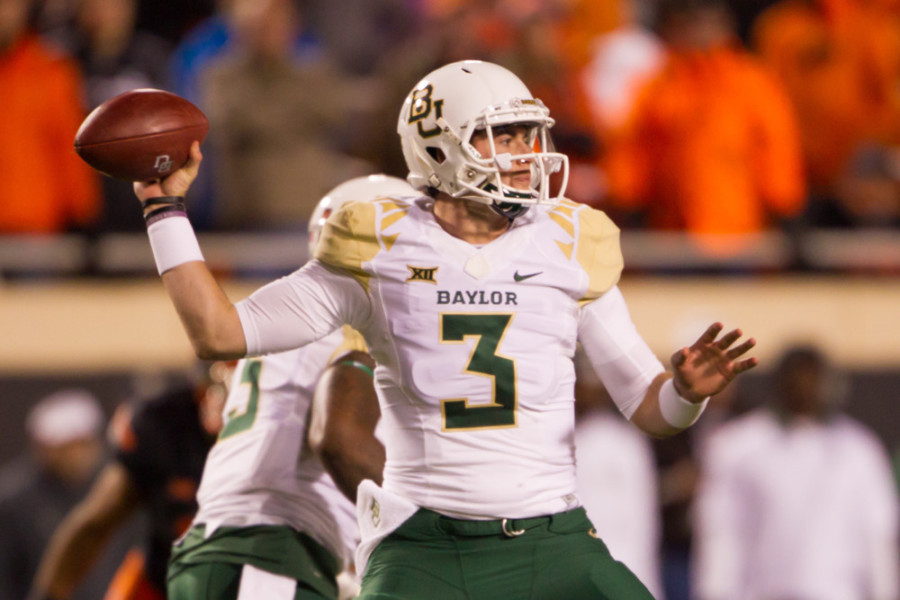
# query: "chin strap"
[[510, 210]]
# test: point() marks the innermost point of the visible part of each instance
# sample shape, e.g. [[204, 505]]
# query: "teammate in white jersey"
[[471, 299], [271, 522]]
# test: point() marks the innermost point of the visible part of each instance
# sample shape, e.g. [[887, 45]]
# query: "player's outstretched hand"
[[176, 183], [706, 367]]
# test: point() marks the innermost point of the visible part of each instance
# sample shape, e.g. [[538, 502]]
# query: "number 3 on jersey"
[[489, 329], [236, 421]]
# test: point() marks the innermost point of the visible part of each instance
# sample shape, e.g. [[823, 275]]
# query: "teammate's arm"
[[84, 533], [343, 418]]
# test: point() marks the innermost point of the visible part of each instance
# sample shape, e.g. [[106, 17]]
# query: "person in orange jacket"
[[839, 60], [711, 145], [44, 186]]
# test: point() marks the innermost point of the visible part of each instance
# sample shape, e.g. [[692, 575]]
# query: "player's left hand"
[[710, 364]]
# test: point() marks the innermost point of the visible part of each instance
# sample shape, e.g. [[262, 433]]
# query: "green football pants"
[[263, 562], [221, 581], [439, 558]]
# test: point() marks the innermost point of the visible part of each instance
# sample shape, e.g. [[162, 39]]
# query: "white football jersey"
[[475, 349], [261, 471]]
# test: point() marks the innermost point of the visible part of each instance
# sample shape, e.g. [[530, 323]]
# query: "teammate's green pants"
[[438, 558], [211, 568]]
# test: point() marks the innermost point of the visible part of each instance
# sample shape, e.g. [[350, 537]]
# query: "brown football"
[[140, 135]]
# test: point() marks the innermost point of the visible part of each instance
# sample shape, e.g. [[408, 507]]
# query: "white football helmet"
[[447, 107], [359, 189]]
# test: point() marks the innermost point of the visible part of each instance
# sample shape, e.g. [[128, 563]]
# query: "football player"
[[471, 298], [271, 521], [159, 444]]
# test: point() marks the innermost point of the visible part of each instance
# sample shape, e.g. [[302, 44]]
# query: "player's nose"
[[519, 147]]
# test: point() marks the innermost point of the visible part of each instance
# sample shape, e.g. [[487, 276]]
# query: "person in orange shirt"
[[840, 63], [711, 145], [44, 186]]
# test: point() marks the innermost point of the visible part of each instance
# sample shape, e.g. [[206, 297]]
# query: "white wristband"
[[173, 242], [677, 411]]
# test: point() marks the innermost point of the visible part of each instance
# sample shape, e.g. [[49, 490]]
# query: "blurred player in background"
[[65, 455], [272, 522], [797, 500], [160, 444], [471, 298]]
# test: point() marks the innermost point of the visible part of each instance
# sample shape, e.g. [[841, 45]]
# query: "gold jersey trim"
[[594, 239], [598, 252], [352, 236]]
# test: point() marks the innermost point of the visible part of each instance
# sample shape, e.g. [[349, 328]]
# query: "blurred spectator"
[[45, 187], [54, 19], [202, 44], [797, 500], [621, 61], [840, 63], [172, 20], [617, 479], [746, 12], [277, 147], [711, 146], [867, 191], [357, 32], [585, 21], [66, 451], [160, 445], [114, 59]]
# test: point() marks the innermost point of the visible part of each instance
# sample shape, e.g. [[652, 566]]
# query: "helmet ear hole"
[[436, 154]]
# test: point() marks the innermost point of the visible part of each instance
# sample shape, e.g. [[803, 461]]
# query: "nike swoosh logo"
[[518, 277]]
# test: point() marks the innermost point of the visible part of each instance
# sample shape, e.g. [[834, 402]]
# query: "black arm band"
[[160, 200], [158, 213]]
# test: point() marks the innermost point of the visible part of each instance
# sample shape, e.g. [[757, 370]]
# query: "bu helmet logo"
[[163, 163], [421, 108]]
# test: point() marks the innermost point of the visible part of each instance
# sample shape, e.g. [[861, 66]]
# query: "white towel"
[[256, 584], [379, 513]]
